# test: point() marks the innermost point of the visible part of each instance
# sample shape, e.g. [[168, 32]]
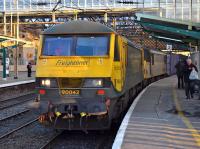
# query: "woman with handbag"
[[190, 75]]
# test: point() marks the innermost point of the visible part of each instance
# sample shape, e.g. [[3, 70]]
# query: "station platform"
[[161, 118], [22, 79]]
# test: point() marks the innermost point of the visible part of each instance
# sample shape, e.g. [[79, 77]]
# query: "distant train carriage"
[[86, 75], [172, 60], [154, 64]]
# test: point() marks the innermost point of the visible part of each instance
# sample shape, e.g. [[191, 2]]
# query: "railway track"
[[28, 135], [80, 140], [18, 128], [16, 101], [48, 143], [14, 115], [52, 139], [108, 138]]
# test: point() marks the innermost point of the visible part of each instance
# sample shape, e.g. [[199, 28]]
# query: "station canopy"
[[10, 41], [176, 9], [1, 40], [175, 20], [170, 29]]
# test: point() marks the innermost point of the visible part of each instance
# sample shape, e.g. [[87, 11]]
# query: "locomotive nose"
[[96, 108], [92, 108]]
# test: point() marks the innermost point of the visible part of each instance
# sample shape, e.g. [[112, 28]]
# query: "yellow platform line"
[[187, 122]]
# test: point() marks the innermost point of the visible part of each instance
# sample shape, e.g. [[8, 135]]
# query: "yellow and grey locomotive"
[[86, 75]]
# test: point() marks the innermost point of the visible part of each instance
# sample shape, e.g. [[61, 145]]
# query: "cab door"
[[119, 67]]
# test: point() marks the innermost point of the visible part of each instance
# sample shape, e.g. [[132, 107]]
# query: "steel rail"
[[16, 129], [12, 105], [50, 141], [13, 115]]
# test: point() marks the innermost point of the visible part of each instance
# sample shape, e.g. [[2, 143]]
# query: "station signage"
[[169, 47]]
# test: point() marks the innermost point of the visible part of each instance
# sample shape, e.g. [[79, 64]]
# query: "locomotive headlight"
[[42, 82], [93, 83], [46, 82]]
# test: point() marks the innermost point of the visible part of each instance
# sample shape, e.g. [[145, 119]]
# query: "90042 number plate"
[[70, 92]]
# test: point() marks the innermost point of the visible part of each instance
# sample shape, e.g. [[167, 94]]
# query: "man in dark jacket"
[[187, 70], [29, 67], [179, 72]]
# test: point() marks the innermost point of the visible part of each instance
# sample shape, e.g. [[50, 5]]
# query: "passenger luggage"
[[193, 75], [195, 82], [195, 85]]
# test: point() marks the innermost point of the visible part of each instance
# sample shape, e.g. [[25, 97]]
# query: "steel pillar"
[[198, 11], [4, 5], [16, 50], [4, 63], [175, 9], [11, 25], [190, 12], [105, 17], [16, 63], [182, 10], [75, 15], [53, 17], [4, 24]]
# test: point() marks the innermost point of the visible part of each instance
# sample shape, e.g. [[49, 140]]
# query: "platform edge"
[[122, 129], [16, 83]]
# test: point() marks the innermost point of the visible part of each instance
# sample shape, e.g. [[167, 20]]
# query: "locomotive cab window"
[[152, 59], [147, 55], [94, 45], [116, 54], [57, 46], [165, 59]]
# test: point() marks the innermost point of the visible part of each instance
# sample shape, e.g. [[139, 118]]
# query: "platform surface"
[[22, 78], [161, 118]]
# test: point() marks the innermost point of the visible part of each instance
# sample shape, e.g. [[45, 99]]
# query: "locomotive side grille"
[[70, 82]]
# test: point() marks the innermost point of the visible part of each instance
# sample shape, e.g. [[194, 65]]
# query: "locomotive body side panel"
[[134, 66]]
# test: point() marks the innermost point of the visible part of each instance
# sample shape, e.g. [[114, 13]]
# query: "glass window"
[[152, 59], [116, 54], [57, 46], [92, 46], [147, 55], [75, 46]]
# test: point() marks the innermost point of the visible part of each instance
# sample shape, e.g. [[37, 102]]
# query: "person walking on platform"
[[187, 71], [29, 67], [179, 72]]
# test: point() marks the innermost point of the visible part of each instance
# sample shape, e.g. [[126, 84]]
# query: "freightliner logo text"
[[72, 63]]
